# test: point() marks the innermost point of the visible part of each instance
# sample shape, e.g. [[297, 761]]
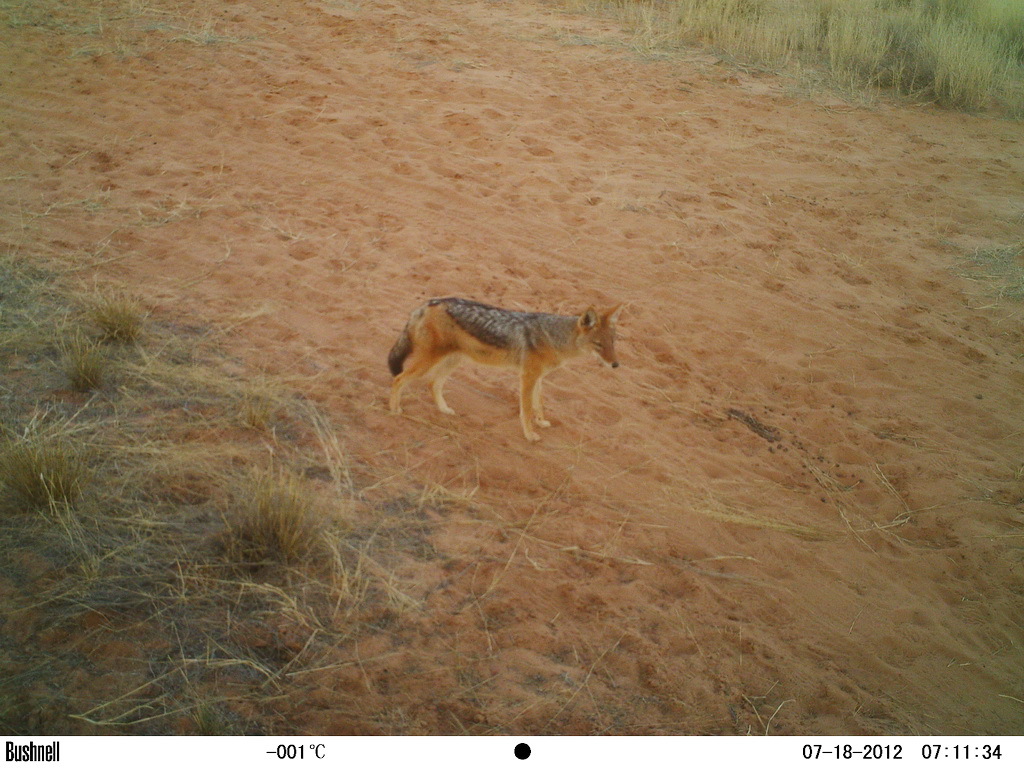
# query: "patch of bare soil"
[[796, 508]]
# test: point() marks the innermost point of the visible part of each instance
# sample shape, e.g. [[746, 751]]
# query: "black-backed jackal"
[[442, 332]]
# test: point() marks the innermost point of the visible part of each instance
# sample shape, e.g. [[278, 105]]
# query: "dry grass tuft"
[[725, 512], [84, 361], [26, 305], [275, 521], [1001, 267], [258, 403], [42, 469], [118, 317], [203, 33], [209, 720]]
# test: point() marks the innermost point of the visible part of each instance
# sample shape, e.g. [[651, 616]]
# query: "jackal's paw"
[[544, 423], [396, 410], [533, 437], [447, 410]]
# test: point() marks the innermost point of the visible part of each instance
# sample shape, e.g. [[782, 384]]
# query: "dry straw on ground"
[[131, 503]]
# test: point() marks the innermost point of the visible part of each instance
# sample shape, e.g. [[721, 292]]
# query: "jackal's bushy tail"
[[398, 353], [403, 346]]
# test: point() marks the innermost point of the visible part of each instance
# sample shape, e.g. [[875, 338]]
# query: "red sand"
[[795, 508]]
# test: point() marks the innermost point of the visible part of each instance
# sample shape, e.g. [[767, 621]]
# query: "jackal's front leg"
[[538, 405], [528, 383]]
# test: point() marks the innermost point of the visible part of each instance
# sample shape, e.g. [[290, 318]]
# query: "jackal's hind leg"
[[439, 374], [416, 366], [395, 401]]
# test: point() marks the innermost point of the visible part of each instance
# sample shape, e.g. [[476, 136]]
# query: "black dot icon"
[[522, 751]]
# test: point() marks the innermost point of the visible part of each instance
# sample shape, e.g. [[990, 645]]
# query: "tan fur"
[[442, 332]]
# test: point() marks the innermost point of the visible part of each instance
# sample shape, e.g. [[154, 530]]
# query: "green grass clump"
[[963, 54]]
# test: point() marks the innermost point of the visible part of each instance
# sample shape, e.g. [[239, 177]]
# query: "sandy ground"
[[795, 507]]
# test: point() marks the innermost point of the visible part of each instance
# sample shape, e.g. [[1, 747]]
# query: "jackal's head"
[[597, 333]]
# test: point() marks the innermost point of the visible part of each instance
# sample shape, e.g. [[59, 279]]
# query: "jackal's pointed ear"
[[588, 319], [612, 314]]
